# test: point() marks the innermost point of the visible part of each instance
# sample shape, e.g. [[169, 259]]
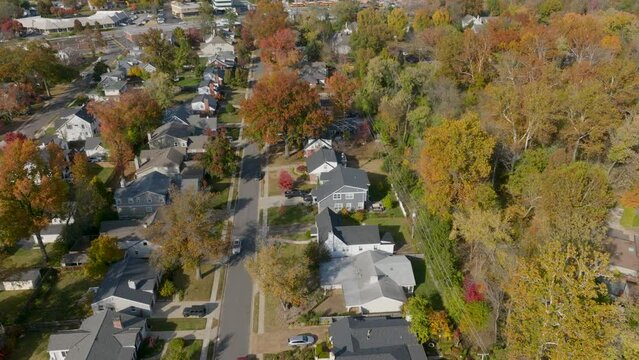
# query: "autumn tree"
[[278, 50], [285, 180], [341, 91], [219, 158], [183, 52], [103, 252], [125, 121], [161, 87], [344, 12], [158, 51], [283, 107], [268, 17], [455, 159], [372, 30], [14, 99], [421, 20], [90, 194], [281, 275], [397, 22], [187, 233], [558, 308], [32, 190]]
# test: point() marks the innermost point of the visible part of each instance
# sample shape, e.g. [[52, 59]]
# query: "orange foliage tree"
[[342, 91], [278, 50]]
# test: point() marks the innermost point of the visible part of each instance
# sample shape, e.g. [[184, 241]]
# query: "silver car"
[[301, 340], [237, 246]]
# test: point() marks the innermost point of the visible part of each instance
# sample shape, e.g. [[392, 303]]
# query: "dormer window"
[[337, 196]]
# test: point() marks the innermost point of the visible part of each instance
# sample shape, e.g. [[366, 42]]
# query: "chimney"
[[368, 333], [206, 104], [132, 284], [136, 161], [117, 322], [148, 136], [122, 182]]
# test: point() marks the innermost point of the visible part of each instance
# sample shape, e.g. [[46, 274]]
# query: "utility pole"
[[412, 228], [483, 355]]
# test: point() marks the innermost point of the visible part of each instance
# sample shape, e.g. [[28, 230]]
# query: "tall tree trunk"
[[46, 86], [41, 245], [198, 271], [286, 151]]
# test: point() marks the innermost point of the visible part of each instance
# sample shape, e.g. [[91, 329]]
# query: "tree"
[[455, 159], [418, 310], [98, 69], [557, 307], [160, 86], [10, 28], [372, 31], [283, 107], [575, 200], [441, 17], [103, 252], [421, 20], [397, 21], [280, 275], [183, 52], [77, 26], [9, 10], [158, 51], [268, 17], [44, 7], [15, 98], [168, 289], [278, 50], [125, 121], [91, 196], [285, 180], [187, 232], [32, 190], [219, 158], [344, 12], [341, 91]]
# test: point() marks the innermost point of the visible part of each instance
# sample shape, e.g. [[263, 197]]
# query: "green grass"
[[256, 312], [191, 350], [22, 258], [428, 289], [105, 174], [220, 283], [299, 236], [228, 118], [295, 214], [65, 299], [189, 80], [397, 226], [221, 188], [235, 96], [32, 346], [184, 96], [195, 290], [295, 250], [177, 324], [11, 302], [321, 350], [419, 270], [629, 218], [147, 352]]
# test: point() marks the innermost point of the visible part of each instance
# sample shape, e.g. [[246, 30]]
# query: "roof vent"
[[132, 284]]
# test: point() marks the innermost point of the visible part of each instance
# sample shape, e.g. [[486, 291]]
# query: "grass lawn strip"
[[32, 346], [256, 312], [220, 283], [177, 324], [629, 218], [11, 302], [295, 214], [272, 319]]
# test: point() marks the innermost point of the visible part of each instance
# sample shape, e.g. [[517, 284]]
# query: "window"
[[144, 243], [349, 206], [149, 199], [360, 205], [117, 201], [130, 200], [338, 206], [137, 200], [64, 354], [82, 126], [337, 196], [100, 307], [69, 127], [349, 196], [149, 209], [361, 248]]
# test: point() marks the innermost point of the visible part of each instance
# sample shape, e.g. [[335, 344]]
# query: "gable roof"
[[173, 128], [124, 230], [201, 97], [378, 338], [98, 339], [168, 157], [328, 221], [339, 177], [80, 112], [92, 143], [154, 182], [116, 280], [202, 123], [327, 143], [198, 142], [319, 158]]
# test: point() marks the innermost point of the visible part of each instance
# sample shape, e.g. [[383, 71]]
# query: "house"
[[48, 139], [129, 286], [223, 60], [95, 148], [128, 62], [202, 124], [183, 9], [342, 39], [104, 335], [24, 280], [143, 196], [53, 231], [215, 45], [205, 87], [171, 134], [197, 144], [192, 176], [374, 338], [352, 240], [322, 161], [74, 258], [312, 145], [165, 161], [76, 125], [342, 188], [130, 235], [115, 88], [112, 76], [476, 23], [226, 5], [204, 103], [314, 73], [623, 248], [214, 74], [372, 282]]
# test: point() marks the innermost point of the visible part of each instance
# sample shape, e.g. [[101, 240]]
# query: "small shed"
[[25, 280], [74, 258]]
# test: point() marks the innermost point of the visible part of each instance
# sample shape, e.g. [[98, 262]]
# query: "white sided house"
[[312, 145], [76, 125], [53, 231], [95, 148], [342, 188], [25, 280], [321, 161], [204, 103], [343, 241]]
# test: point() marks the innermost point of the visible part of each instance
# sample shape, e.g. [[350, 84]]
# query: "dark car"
[[294, 193], [195, 310], [308, 198]]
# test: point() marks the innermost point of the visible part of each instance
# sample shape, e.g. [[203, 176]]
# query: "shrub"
[[285, 180], [472, 291], [309, 319], [345, 212], [302, 169], [388, 201], [168, 289], [308, 234], [359, 216]]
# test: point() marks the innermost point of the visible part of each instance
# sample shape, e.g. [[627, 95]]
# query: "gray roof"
[[46, 139], [53, 229], [192, 170], [75, 257], [339, 177], [198, 142], [202, 123], [328, 221], [174, 129], [369, 276], [27, 275], [201, 97], [115, 85], [98, 339], [124, 230], [161, 158], [319, 158], [375, 338], [115, 281], [314, 72], [80, 112], [92, 143], [154, 182]]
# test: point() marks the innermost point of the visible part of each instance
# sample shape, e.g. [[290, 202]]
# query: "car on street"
[[195, 310], [237, 246], [301, 340], [289, 194]]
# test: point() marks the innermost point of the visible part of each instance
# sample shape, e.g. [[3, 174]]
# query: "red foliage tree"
[[194, 36], [10, 28], [13, 136], [472, 291], [279, 50], [342, 91], [285, 180], [15, 98], [268, 17]]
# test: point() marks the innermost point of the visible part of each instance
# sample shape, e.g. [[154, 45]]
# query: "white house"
[[343, 241], [215, 45], [77, 125], [321, 161], [51, 233], [94, 148], [116, 88], [372, 282], [203, 103], [312, 145], [25, 280]]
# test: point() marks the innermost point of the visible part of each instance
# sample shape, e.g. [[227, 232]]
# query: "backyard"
[[31, 346], [629, 218], [22, 258], [11, 302], [289, 215], [103, 173]]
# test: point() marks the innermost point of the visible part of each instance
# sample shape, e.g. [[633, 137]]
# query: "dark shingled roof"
[[339, 177], [174, 129], [115, 281], [80, 112], [319, 158], [155, 182], [92, 143], [375, 338], [328, 221]]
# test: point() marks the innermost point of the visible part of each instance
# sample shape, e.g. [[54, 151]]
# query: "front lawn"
[[629, 218], [221, 188], [177, 324], [11, 302], [297, 353], [32, 346], [228, 118], [289, 215], [195, 290], [65, 299], [299, 182], [183, 349], [22, 258]]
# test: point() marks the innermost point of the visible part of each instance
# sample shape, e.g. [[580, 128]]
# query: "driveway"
[[277, 341], [173, 309]]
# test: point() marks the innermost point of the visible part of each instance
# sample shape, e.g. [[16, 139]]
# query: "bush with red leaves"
[[472, 291]]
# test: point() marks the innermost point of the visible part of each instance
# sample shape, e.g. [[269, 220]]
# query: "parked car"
[[301, 340], [237, 246], [308, 198], [294, 193], [195, 310]]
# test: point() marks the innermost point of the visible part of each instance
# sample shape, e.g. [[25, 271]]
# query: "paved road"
[[235, 332]]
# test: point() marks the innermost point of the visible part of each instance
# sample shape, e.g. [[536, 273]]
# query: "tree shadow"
[[398, 236], [379, 186], [221, 345]]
